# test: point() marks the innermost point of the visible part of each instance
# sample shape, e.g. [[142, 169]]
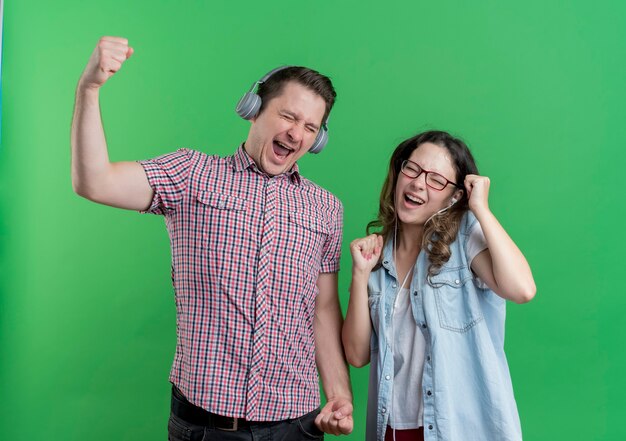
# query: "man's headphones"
[[249, 105]]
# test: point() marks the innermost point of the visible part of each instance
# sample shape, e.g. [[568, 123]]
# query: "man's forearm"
[[90, 157], [329, 355]]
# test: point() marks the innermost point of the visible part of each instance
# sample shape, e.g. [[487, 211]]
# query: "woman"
[[427, 301]]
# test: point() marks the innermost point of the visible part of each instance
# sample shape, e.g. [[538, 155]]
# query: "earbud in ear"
[[453, 201]]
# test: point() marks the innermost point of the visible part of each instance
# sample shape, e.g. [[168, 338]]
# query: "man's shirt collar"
[[242, 161]]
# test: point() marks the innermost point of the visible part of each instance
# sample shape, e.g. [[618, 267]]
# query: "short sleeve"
[[476, 243], [168, 176], [331, 252]]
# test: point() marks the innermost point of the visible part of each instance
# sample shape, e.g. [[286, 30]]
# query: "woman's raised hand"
[[366, 252]]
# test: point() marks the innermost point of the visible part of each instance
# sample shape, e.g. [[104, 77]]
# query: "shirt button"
[[424, 325], [457, 281], [393, 285], [414, 293], [387, 377], [385, 262], [384, 410], [429, 393], [430, 426], [428, 358]]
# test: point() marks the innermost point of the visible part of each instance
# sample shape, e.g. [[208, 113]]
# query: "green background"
[[536, 88]]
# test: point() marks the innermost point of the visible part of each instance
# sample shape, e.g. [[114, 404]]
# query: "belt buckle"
[[234, 427]]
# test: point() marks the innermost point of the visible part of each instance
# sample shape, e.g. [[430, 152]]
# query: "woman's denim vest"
[[466, 386]]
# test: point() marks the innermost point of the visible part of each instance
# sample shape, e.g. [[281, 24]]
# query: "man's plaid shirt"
[[247, 250]]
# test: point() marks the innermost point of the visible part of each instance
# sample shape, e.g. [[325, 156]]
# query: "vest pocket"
[[457, 303]]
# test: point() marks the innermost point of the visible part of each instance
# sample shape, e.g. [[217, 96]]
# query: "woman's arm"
[[357, 328], [502, 266]]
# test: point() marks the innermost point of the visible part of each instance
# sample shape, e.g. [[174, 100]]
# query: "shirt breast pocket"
[[220, 219], [308, 237], [458, 306]]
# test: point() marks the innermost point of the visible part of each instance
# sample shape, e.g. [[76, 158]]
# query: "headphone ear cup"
[[320, 140], [248, 106]]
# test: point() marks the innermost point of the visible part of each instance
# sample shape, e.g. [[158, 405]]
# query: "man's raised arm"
[[119, 184]]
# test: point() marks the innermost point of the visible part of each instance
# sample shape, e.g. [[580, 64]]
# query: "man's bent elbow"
[[85, 189], [80, 188]]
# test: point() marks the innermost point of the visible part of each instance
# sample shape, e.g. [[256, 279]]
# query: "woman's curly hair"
[[441, 230]]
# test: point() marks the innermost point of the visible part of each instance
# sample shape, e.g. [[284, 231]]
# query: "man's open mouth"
[[281, 150]]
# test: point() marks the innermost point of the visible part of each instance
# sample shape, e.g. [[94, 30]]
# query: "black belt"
[[186, 411]]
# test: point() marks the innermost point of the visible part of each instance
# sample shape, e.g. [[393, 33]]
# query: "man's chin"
[[276, 169]]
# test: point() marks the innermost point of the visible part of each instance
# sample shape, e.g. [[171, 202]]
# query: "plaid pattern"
[[247, 250]]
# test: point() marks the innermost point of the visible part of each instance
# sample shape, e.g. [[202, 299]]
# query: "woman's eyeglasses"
[[434, 180]]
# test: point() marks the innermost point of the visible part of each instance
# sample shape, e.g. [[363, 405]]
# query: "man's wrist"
[[340, 396], [87, 90]]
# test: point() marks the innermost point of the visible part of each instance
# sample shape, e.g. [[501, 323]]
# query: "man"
[[255, 255]]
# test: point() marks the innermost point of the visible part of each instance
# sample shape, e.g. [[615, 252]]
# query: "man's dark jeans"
[[302, 428]]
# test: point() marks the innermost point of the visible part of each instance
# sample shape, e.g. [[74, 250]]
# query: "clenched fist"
[[477, 192], [107, 58], [366, 252]]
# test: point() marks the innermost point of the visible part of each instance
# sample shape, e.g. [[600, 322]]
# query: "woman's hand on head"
[[477, 188], [366, 252]]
